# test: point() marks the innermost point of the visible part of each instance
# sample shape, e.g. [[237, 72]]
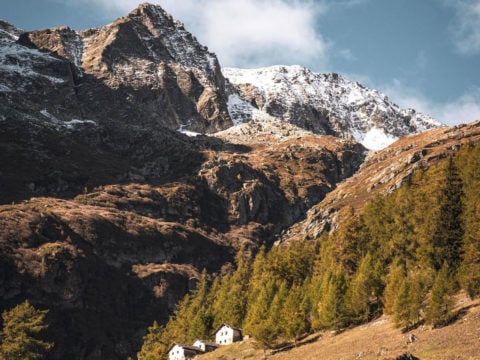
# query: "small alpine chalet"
[[205, 346], [226, 334], [182, 352]]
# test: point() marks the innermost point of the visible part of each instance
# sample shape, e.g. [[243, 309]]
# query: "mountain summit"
[[143, 69], [327, 104]]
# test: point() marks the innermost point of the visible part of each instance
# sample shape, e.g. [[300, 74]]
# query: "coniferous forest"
[[405, 254]]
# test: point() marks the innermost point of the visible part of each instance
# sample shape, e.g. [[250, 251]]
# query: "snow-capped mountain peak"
[[326, 104]]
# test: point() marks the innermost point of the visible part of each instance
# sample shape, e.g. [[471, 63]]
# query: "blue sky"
[[423, 54]]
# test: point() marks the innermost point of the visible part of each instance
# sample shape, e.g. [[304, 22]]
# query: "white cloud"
[[464, 109], [466, 28], [252, 33], [246, 33]]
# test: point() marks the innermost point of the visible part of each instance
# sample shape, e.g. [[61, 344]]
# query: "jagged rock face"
[[325, 104], [8, 31], [33, 82], [143, 70]]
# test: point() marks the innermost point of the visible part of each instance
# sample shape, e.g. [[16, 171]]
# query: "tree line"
[[405, 254]]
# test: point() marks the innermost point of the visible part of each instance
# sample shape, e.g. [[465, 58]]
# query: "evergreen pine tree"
[[395, 279], [448, 233], [409, 300], [21, 328], [293, 314], [419, 285], [234, 299], [363, 287], [350, 244], [469, 272], [401, 311], [470, 268], [258, 321], [275, 318], [200, 324]]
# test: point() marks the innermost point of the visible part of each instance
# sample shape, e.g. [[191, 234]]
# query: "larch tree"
[[439, 310]]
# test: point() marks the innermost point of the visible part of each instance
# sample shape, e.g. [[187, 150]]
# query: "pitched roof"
[[186, 347], [222, 325]]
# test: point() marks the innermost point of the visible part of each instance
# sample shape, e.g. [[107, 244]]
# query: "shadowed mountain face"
[[109, 214]]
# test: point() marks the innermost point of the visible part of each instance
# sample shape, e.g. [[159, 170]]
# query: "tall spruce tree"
[[234, 302], [363, 287], [395, 278], [258, 322], [154, 345], [448, 232], [469, 271]]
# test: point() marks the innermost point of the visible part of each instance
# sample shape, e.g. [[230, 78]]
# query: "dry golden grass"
[[247, 349], [381, 340], [378, 339]]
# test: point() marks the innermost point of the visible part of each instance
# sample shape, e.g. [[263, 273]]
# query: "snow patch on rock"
[[377, 139], [74, 122]]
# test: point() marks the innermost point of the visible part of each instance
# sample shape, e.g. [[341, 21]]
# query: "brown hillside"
[[378, 340], [381, 340], [383, 172]]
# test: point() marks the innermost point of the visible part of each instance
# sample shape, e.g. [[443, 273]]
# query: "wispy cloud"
[[463, 109], [252, 33], [466, 27]]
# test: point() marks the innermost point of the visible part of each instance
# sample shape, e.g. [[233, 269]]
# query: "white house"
[[226, 334], [206, 346], [182, 352]]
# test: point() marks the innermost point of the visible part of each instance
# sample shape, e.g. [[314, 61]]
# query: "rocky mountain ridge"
[[144, 69], [328, 104]]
